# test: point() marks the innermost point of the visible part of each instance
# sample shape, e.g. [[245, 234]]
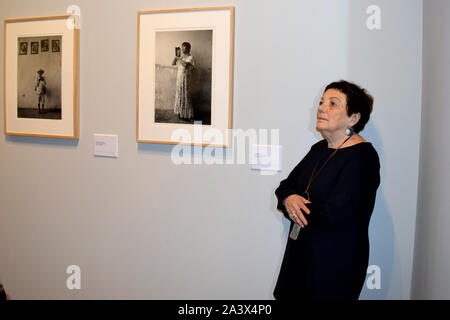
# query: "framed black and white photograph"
[[44, 45], [41, 89], [34, 47], [55, 45], [185, 74]]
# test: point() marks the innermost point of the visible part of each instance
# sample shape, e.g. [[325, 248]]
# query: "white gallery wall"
[[140, 226]]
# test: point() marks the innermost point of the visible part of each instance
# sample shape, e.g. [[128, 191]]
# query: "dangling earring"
[[349, 131]]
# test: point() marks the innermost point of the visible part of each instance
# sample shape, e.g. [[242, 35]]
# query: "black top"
[[329, 259]]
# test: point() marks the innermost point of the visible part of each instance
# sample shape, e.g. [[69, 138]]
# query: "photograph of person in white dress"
[[183, 76], [183, 94]]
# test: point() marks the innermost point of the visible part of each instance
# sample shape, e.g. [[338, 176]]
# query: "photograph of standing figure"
[[40, 89], [183, 76], [38, 79], [183, 96]]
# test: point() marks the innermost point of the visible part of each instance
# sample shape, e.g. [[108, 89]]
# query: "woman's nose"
[[321, 108]]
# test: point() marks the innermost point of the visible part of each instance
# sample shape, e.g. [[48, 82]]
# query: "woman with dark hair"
[[183, 96], [329, 198]]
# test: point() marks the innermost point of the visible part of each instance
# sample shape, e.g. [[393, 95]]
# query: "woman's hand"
[[295, 206]]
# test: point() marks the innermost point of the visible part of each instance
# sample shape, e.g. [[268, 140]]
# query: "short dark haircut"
[[358, 101], [187, 45]]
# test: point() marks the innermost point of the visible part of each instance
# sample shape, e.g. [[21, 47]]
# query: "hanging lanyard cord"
[[314, 174]]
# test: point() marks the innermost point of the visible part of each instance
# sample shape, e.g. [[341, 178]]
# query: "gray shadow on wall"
[[283, 235], [381, 228], [154, 148], [198, 155], [365, 70], [194, 152], [44, 141]]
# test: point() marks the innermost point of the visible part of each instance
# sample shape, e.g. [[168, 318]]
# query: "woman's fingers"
[[300, 205], [299, 217], [292, 214], [296, 206], [305, 208], [298, 221], [302, 218], [295, 218]]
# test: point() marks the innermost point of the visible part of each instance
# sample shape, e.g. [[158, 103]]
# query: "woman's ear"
[[354, 119]]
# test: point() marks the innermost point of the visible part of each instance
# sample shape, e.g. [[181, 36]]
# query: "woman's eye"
[[333, 104]]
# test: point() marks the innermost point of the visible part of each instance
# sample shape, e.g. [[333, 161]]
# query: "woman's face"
[[184, 49], [332, 112]]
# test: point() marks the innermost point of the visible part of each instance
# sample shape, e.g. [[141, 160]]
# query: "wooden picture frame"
[[176, 95], [41, 89]]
